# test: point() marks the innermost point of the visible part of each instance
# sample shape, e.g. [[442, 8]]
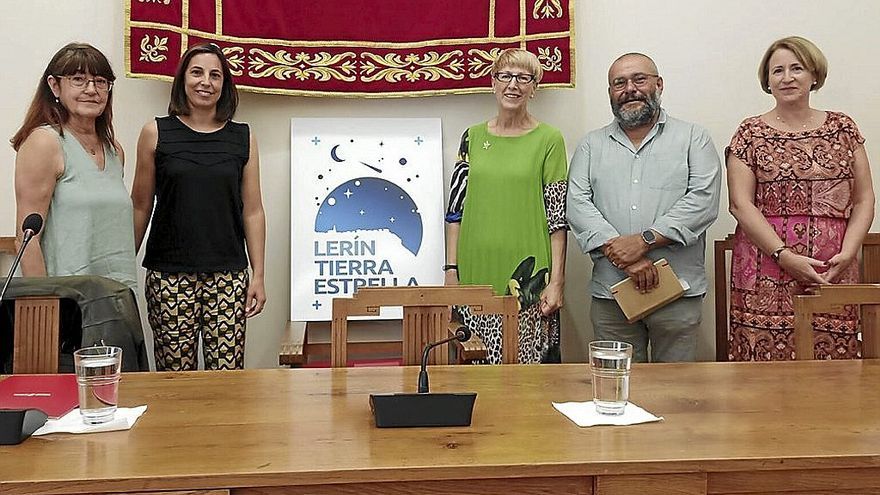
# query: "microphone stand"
[[423, 372]]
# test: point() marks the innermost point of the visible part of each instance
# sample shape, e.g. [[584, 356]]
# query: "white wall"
[[707, 52]]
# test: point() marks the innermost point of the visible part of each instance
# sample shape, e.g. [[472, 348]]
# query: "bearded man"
[[645, 187]]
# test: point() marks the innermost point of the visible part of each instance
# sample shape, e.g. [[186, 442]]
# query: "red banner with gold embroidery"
[[353, 47]]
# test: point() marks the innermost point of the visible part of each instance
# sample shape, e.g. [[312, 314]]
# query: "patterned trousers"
[[184, 307]]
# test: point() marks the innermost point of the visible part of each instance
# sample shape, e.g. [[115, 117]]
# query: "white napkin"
[[584, 414], [72, 422]]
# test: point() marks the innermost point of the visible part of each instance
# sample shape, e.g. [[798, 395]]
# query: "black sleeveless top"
[[198, 221]]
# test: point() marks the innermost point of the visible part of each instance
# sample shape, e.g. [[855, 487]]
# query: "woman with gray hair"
[[69, 167], [505, 223]]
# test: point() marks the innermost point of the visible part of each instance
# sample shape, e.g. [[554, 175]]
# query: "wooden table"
[[797, 428]]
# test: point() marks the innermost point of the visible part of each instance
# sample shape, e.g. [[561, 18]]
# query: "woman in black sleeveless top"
[[201, 170]]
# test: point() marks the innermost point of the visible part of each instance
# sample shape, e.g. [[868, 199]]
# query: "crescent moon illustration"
[[334, 156]]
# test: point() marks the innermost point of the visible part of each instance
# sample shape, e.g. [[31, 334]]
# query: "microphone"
[[463, 334], [31, 226], [423, 409]]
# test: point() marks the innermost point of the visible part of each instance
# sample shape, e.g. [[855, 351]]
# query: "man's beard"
[[639, 116]]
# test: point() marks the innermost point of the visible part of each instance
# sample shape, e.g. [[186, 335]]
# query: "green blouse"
[[509, 195]]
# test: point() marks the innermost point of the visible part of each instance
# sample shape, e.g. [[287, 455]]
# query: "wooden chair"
[[35, 335], [425, 318], [832, 298], [722, 296], [36, 328], [7, 245], [293, 343], [870, 268], [299, 346]]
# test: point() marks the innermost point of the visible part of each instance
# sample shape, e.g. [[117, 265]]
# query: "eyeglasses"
[[506, 77], [78, 81], [639, 80]]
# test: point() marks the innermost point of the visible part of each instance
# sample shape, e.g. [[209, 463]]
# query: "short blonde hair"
[[807, 54], [521, 59]]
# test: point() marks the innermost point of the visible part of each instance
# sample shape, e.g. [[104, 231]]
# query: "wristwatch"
[[649, 237], [777, 253], [446, 268]]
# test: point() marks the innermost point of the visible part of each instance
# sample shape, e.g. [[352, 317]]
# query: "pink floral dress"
[[804, 189]]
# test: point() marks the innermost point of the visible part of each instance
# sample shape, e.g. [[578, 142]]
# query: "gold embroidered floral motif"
[[152, 52], [551, 62], [166, 2], [481, 61], [235, 58], [547, 8], [430, 66], [283, 65]]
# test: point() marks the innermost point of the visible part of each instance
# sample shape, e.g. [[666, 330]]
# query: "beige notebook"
[[636, 305]]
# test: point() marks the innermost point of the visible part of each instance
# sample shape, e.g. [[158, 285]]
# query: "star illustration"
[[487, 145]]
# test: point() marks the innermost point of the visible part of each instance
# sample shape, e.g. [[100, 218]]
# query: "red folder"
[[55, 395]]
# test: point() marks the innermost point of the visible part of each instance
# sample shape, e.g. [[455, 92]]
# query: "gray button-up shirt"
[[670, 184]]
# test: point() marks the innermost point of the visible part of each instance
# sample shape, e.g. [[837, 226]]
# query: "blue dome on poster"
[[371, 203]]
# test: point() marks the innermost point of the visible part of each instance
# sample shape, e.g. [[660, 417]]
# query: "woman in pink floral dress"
[[801, 191]]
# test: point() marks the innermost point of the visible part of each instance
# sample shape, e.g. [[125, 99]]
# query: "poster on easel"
[[366, 209]]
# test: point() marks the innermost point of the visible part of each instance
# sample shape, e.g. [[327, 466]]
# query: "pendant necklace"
[[809, 121], [91, 150]]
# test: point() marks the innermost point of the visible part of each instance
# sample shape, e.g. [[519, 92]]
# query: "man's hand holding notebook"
[[636, 304]]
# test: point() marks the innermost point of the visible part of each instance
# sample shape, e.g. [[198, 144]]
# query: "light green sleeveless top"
[[89, 227]]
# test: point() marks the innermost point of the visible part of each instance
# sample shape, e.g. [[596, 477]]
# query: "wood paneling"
[[857, 491], [652, 484], [518, 486], [796, 481], [186, 492]]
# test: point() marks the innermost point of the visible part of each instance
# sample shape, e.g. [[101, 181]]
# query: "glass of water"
[[610, 363], [98, 370]]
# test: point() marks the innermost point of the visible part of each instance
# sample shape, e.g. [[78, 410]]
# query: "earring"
[[57, 100]]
